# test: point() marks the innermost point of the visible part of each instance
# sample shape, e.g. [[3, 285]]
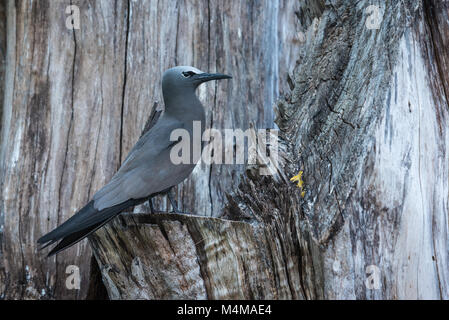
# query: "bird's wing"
[[151, 143], [80, 225], [134, 178], [145, 169]]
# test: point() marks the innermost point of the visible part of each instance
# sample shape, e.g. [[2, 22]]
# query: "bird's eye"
[[188, 74]]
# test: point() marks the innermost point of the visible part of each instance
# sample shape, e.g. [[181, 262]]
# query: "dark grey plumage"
[[148, 169]]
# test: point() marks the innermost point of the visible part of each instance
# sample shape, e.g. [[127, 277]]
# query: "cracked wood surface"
[[75, 102], [171, 256], [367, 123]]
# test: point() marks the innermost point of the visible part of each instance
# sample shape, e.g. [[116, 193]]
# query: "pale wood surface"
[[367, 123], [76, 101]]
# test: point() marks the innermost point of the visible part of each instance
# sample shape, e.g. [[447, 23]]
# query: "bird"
[[147, 170]]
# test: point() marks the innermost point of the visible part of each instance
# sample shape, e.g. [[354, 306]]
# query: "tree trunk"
[[76, 100], [364, 129], [367, 126]]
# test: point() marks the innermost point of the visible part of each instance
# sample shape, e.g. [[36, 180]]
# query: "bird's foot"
[[177, 211], [174, 204], [181, 212], [150, 203]]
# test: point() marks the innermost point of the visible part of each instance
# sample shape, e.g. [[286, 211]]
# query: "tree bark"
[[364, 119], [367, 125], [76, 100]]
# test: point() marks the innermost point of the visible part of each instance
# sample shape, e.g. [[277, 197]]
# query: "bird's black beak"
[[204, 77]]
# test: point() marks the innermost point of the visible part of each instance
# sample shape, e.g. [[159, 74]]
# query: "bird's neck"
[[184, 106]]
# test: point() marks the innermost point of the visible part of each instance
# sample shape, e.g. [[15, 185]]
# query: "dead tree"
[[364, 130], [366, 124], [76, 100]]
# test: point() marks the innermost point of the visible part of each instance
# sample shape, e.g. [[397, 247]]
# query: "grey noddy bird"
[[148, 169]]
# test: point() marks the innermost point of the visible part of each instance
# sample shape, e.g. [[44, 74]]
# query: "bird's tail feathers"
[[76, 237], [82, 224]]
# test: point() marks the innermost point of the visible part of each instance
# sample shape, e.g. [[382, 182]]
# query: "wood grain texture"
[[75, 101], [367, 123], [60, 135], [170, 256], [255, 42], [2, 96]]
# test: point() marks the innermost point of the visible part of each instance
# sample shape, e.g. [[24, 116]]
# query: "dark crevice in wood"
[[97, 290], [125, 71], [66, 151], [201, 253], [177, 32], [434, 9]]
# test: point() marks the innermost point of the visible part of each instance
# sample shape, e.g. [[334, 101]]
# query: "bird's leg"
[[172, 201], [150, 203]]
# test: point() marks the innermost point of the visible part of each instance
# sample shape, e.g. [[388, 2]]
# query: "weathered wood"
[[372, 140], [367, 124], [2, 81], [254, 41], [76, 101], [170, 256]]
